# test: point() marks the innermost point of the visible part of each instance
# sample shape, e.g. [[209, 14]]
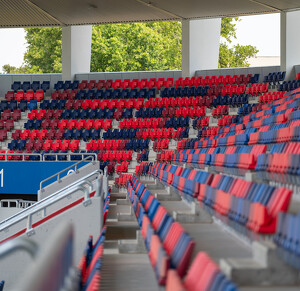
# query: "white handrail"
[[62, 171], [44, 203]]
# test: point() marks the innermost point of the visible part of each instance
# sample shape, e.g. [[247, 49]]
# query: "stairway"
[[124, 271]]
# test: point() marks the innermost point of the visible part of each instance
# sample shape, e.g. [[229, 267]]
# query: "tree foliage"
[[238, 55], [136, 47], [126, 47]]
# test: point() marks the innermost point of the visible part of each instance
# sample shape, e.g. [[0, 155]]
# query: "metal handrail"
[[89, 155], [69, 187], [97, 172], [42, 155], [19, 202], [62, 171], [13, 245], [39, 207], [20, 154], [48, 201]]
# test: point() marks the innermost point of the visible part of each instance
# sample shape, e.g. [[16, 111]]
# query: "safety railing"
[[17, 203], [42, 205], [23, 155], [75, 166], [41, 156], [88, 156]]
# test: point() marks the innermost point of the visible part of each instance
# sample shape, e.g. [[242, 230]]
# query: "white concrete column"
[[76, 50], [289, 42], [200, 45]]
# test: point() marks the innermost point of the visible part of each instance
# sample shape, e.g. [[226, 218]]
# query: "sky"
[[262, 31]]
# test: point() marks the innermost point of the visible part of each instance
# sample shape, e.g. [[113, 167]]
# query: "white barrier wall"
[[85, 220], [290, 42], [200, 45]]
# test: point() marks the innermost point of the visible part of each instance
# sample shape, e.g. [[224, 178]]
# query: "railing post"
[[105, 183], [30, 231]]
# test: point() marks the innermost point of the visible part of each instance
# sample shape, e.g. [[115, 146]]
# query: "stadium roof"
[[22, 13]]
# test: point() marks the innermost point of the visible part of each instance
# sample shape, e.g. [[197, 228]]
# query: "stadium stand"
[[184, 156]]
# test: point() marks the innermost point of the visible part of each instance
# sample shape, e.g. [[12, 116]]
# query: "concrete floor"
[[127, 272]]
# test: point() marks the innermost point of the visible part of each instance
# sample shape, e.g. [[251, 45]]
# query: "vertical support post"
[[76, 50], [105, 183], [200, 45], [289, 43]]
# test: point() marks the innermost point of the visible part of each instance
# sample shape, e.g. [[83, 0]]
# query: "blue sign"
[[25, 177]]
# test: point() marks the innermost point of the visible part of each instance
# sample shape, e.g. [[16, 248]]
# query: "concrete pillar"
[[289, 42], [200, 45], [76, 50]]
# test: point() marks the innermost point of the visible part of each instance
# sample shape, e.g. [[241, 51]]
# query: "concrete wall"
[[129, 75], [85, 220], [7, 80], [263, 71]]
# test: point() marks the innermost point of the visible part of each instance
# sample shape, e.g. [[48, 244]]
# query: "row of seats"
[[91, 262], [13, 105], [256, 89], [11, 115], [289, 85], [203, 274], [154, 122], [233, 101], [143, 156], [121, 94], [252, 205], [85, 134], [70, 124], [22, 95], [220, 111], [164, 133], [271, 96], [134, 144], [26, 85], [243, 157], [122, 168], [127, 83], [7, 125], [168, 245], [104, 94], [122, 180], [79, 114], [287, 238], [275, 77], [106, 145], [65, 85], [221, 90], [142, 169], [117, 156], [161, 145], [164, 156]]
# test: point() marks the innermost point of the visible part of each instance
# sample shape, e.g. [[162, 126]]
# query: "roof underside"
[[23, 13]]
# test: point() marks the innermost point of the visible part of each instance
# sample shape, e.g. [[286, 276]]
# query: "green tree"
[[126, 47], [8, 69], [136, 47], [43, 53], [238, 55]]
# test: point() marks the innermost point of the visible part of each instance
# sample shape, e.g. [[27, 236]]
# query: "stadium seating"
[[168, 245]]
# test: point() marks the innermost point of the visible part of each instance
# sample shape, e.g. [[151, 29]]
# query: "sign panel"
[[25, 177]]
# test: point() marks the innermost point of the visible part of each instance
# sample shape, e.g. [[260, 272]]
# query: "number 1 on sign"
[[2, 174]]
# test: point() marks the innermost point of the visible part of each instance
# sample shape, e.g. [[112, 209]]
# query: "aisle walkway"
[[124, 271]]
